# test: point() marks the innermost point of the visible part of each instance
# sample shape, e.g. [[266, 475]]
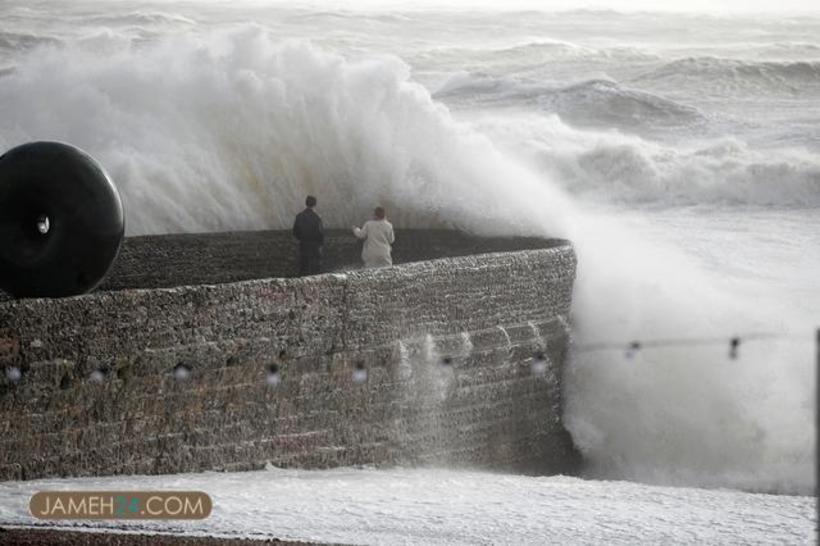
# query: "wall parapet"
[[451, 361]]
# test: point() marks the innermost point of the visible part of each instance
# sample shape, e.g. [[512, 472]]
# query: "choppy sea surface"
[[678, 152]]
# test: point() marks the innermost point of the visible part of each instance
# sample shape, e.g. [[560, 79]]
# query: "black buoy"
[[61, 221]]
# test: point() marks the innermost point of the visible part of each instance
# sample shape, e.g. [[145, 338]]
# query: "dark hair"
[[310, 201], [380, 213]]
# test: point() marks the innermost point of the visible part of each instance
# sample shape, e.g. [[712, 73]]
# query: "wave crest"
[[21, 41], [615, 167], [719, 74], [590, 103], [140, 19]]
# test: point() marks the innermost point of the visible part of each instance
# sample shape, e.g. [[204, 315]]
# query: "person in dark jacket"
[[311, 235]]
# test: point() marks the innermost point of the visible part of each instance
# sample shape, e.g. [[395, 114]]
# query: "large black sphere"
[[61, 221]]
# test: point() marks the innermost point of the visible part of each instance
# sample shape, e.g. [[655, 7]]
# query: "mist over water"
[[680, 155]]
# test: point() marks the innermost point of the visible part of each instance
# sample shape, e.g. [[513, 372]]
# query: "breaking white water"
[[678, 152], [433, 506]]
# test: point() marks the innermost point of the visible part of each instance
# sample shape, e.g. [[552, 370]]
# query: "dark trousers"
[[310, 259]]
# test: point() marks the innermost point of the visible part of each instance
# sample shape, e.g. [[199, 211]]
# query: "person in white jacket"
[[378, 236]]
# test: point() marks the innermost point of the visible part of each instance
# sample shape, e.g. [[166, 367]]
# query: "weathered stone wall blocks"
[[201, 353]]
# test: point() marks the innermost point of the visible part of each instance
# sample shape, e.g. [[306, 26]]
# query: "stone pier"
[[201, 352]]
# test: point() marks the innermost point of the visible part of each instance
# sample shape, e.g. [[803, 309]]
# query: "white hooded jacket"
[[378, 236]]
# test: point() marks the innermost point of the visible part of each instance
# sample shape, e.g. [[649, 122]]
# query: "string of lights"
[[733, 343]]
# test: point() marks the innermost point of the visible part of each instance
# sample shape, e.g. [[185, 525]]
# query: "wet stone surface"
[[428, 362]]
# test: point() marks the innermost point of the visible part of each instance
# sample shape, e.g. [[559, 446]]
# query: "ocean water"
[[678, 152]]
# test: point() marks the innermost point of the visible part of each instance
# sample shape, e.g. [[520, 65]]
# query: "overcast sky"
[[732, 6], [708, 6]]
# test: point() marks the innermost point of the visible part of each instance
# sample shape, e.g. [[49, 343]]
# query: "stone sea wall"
[[450, 361]]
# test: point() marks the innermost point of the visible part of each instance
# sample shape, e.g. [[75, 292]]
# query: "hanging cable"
[[631, 348]]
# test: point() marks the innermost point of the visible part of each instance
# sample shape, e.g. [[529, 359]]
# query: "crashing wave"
[[229, 133]]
